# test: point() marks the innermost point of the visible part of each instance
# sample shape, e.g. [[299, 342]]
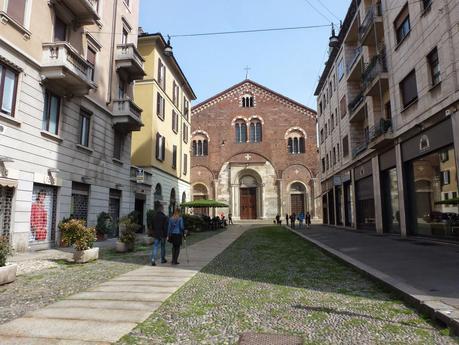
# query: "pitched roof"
[[220, 95]]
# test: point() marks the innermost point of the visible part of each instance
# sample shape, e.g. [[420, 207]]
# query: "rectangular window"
[[323, 165], [80, 200], [124, 37], [334, 156], [60, 30], [118, 145], [337, 152], [186, 108], [340, 69], [445, 196], [185, 133], [161, 74], [91, 58], [408, 89], [321, 136], [175, 94], [174, 121], [16, 10], [174, 157], [402, 24], [8, 89], [85, 121], [434, 66], [185, 164], [51, 112], [445, 177], [160, 147], [346, 146], [343, 106], [160, 106]]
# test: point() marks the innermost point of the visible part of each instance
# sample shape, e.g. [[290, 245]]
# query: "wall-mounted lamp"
[[168, 48]]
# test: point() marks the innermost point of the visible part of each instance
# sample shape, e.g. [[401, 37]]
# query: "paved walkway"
[[103, 314], [426, 272]]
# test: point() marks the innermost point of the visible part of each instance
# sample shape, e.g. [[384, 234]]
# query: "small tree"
[[75, 233], [104, 224], [128, 229]]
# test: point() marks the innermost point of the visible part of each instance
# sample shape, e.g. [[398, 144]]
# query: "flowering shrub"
[[75, 233], [5, 250], [128, 229]]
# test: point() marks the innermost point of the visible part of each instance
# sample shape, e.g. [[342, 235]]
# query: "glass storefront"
[[433, 191], [365, 203], [338, 195], [391, 210], [347, 204]]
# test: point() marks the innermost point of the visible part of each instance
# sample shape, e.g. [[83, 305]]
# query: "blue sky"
[[288, 62]]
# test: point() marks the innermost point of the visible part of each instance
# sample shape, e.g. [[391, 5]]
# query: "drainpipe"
[[112, 53], [451, 44]]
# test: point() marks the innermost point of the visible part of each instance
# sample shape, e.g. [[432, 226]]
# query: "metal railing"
[[355, 56], [125, 107], [381, 128], [376, 66], [368, 21], [356, 101], [359, 148]]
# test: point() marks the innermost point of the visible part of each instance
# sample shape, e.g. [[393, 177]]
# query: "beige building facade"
[[67, 70], [162, 147], [388, 119]]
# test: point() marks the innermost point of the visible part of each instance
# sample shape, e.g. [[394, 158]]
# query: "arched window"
[[255, 131], [252, 133], [195, 148], [258, 131], [296, 142], [248, 101], [199, 148], [172, 202], [241, 132], [205, 148]]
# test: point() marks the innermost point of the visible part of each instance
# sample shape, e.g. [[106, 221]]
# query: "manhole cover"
[[269, 339]]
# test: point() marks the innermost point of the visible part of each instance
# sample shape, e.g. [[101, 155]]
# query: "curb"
[[435, 309]]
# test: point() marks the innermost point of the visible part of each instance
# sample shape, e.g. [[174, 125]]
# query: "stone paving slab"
[[426, 276], [103, 314]]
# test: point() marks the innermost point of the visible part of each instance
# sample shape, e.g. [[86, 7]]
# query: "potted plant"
[[7, 272], [126, 241], [104, 226], [75, 233]]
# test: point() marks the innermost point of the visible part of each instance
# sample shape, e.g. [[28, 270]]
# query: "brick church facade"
[[255, 150]]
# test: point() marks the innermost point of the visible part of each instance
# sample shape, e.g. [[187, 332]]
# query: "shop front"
[[431, 178], [364, 197], [389, 193]]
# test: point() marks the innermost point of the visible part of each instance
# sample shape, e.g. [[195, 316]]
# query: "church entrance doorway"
[[248, 203], [297, 198]]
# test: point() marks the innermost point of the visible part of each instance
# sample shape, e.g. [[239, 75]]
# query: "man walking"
[[308, 219], [286, 218], [159, 233]]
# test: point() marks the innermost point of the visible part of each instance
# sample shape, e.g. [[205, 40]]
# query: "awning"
[[6, 182]]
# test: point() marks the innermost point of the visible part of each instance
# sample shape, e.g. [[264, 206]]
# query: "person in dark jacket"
[[175, 234], [286, 218], [308, 219], [159, 233], [292, 220]]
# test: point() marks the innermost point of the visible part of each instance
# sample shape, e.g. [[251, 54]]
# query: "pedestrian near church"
[[286, 218], [175, 234], [230, 218], [308, 219], [159, 233], [301, 219], [292, 220]]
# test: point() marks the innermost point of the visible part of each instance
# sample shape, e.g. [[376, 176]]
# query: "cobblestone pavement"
[[47, 276], [272, 281]]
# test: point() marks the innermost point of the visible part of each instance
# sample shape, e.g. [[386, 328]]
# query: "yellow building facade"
[[162, 146]]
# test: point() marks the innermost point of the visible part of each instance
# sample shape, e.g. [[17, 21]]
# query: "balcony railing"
[[359, 148], [126, 107], [356, 101], [376, 66], [381, 128], [368, 21], [62, 64], [129, 61], [84, 11], [355, 57]]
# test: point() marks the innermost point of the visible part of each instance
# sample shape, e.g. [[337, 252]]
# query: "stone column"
[[280, 191], [377, 194], [353, 201], [401, 189]]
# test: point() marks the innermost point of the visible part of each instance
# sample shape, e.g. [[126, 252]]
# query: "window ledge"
[[86, 149], [117, 161], [49, 135], [434, 86], [403, 40], [408, 106], [11, 120], [5, 19]]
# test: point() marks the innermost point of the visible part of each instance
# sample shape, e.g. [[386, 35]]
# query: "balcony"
[[129, 63], [359, 149], [357, 108], [380, 135], [354, 68], [65, 71], [372, 21], [126, 115], [375, 78], [83, 12]]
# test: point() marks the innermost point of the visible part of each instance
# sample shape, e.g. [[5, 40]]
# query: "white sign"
[[140, 176]]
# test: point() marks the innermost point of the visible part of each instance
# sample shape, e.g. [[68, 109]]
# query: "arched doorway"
[[158, 196], [172, 202], [248, 195], [297, 198], [200, 192]]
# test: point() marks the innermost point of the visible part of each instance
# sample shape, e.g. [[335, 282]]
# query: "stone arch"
[[256, 117], [200, 191], [201, 132], [295, 129], [238, 118]]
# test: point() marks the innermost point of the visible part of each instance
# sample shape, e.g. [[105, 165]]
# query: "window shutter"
[[185, 164], [158, 138], [174, 157], [16, 10], [91, 56], [163, 153]]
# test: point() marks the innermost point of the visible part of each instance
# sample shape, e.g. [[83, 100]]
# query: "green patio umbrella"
[[203, 204]]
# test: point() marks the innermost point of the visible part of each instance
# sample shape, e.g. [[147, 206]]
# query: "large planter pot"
[[84, 256], [122, 247], [8, 274], [147, 240]]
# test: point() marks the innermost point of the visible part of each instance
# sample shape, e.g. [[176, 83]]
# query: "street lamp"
[[168, 48], [333, 41]]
